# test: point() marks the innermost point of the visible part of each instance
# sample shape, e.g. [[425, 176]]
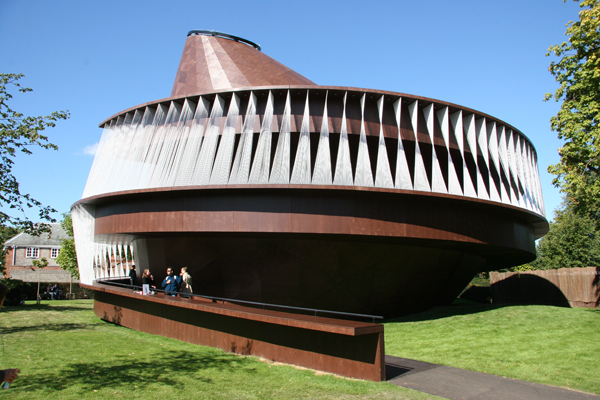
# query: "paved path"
[[460, 384]]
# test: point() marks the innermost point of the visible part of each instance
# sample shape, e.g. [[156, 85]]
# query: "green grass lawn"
[[544, 344], [65, 352]]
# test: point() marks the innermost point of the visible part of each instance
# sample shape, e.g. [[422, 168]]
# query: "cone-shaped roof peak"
[[214, 61]]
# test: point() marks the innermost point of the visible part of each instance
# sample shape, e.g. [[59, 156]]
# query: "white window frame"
[[54, 252], [32, 252]]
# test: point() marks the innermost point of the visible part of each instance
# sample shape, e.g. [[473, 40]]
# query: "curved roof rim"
[[224, 35]]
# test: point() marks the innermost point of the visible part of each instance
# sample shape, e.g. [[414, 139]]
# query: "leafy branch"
[[19, 133]]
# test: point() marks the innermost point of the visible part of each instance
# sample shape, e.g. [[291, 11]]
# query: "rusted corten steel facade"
[[271, 188], [349, 348]]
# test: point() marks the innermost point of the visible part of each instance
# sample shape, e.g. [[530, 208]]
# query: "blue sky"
[[98, 58]]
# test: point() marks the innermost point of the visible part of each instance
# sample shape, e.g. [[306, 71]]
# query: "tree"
[[67, 258], [578, 73], [573, 241], [39, 264], [19, 133]]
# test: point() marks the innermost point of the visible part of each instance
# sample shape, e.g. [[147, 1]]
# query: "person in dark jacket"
[[171, 283], [7, 375], [133, 276]]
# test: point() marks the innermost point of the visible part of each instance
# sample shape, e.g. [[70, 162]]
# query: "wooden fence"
[[569, 287]]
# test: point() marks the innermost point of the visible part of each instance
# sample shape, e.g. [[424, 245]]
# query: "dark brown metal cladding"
[[349, 348], [364, 251]]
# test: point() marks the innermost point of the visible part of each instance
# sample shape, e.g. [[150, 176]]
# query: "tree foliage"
[[578, 73], [19, 133], [573, 241], [67, 258]]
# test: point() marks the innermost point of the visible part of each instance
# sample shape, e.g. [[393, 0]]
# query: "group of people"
[[172, 284], [52, 292]]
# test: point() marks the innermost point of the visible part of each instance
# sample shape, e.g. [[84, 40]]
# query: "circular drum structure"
[[273, 189]]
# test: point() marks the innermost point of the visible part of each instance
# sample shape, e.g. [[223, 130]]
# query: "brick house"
[[23, 249]]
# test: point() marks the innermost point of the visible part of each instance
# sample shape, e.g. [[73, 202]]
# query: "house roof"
[[44, 240]]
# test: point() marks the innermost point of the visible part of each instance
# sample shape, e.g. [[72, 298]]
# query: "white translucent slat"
[[343, 166], [493, 155], [512, 167], [383, 173], [96, 262], [364, 175], [301, 169], [530, 189], [459, 133], [536, 182], [83, 217], [169, 140], [139, 148], [119, 159], [120, 265], [481, 147], [208, 150], [280, 174], [104, 156], [503, 154], [101, 261], [131, 146], [115, 267], [180, 142], [528, 177], [322, 172], [193, 145], [518, 169], [123, 170], [158, 142], [421, 180], [261, 165], [403, 180], [437, 185], [539, 184], [97, 269], [222, 168], [471, 144], [93, 177], [468, 122], [132, 254], [115, 165], [520, 172], [105, 264], [106, 260], [154, 144], [444, 121], [528, 199], [241, 164]]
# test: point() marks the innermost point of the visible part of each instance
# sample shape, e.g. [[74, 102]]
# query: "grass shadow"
[[48, 327], [126, 371], [43, 307]]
